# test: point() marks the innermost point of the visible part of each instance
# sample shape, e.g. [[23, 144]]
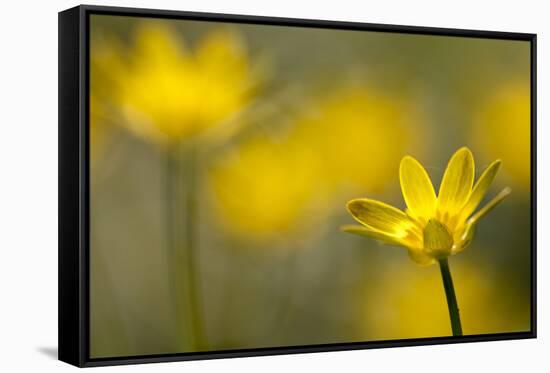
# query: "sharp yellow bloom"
[[433, 226]]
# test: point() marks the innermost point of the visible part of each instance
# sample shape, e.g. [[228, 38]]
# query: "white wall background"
[[28, 184]]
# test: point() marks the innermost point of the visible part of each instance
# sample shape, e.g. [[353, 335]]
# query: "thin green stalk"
[[190, 245], [451, 297], [181, 210], [171, 205]]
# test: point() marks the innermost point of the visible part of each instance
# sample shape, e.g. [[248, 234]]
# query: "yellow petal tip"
[[464, 150], [404, 160], [349, 205], [354, 206], [496, 163], [490, 205], [356, 202]]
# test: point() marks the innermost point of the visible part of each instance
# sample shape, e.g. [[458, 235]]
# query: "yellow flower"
[[168, 92], [501, 125], [344, 129], [263, 189], [433, 227]]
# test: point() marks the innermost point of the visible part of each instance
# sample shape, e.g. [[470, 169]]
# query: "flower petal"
[[480, 188], [377, 235], [381, 217], [417, 188], [463, 238], [456, 185], [489, 206]]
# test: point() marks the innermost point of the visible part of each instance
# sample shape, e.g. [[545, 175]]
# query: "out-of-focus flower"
[[264, 189], [168, 92], [407, 303], [433, 227], [171, 96], [358, 135], [501, 128]]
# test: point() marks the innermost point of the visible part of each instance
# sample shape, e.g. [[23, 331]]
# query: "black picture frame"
[[74, 184]]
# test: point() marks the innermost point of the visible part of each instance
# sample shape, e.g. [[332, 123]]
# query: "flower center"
[[438, 241]]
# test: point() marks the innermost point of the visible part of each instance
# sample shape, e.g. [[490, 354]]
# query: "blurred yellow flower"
[[433, 227], [501, 128], [167, 92], [358, 135], [264, 188], [171, 95]]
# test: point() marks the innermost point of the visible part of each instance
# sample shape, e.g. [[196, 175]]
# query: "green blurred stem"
[[451, 297], [182, 214]]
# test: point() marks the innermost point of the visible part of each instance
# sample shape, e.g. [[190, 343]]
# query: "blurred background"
[[222, 157]]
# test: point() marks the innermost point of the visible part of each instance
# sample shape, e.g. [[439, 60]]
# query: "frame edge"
[[69, 150], [305, 22]]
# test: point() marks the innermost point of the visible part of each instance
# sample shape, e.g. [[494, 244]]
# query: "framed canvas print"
[[237, 185]]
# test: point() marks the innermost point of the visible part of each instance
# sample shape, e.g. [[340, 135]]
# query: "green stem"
[[190, 245], [171, 200], [451, 297], [181, 209]]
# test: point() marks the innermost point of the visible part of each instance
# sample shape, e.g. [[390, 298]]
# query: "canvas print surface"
[[261, 186]]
